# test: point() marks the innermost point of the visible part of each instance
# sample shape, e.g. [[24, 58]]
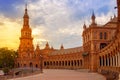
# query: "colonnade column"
[[118, 59], [108, 61]]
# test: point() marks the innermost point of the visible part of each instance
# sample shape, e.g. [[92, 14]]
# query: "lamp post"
[[41, 61]]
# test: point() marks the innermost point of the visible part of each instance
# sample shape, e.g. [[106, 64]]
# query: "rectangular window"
[[101, 37]]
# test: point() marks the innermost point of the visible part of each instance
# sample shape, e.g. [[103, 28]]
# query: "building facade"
[[100, 49]]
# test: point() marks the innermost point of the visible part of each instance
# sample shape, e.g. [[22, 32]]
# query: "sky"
[[54, 21]]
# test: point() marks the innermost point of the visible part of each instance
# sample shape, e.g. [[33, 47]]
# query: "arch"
[[106, 61], [103, 61], [71, 63], [31, 64], [65, 63], [36, 65], [54, 63], [24, 65], [47, 63], [109, 63], [50, 63], [18, 65], [44, 63], [68, 63], [62, 63], [59, 63], [78, 62], [102, 45], [100, 61], [81, 62], [75, 62]]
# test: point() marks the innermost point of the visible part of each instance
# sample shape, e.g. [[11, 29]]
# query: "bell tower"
[[26, 48]]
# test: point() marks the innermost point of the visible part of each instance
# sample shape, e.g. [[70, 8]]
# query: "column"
[[101, 61], [113, 57], [118, 59], [111, 61], [104, 61], [108, 61]]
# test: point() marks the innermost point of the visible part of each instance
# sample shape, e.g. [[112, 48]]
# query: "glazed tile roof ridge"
[[67, 51]]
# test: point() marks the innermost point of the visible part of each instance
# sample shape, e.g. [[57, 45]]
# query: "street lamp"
[[41, 61]]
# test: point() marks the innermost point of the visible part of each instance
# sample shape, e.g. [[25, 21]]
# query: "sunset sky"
[[56, 21]]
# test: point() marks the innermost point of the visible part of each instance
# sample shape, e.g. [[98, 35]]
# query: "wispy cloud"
[[59, 21]]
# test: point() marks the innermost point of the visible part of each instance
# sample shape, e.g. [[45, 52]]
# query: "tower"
[[26, 48]]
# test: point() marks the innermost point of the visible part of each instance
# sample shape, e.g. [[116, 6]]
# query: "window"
[[105, 35], [101, 37], [102, 45]]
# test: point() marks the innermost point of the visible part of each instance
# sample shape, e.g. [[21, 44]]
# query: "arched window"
[[102, 45], [101, 37], [24, 65], [105, 35], [18, 65], [36, 66], [31, 65], [44, 63]]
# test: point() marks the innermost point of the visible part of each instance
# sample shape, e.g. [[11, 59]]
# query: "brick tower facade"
[[26, 48]]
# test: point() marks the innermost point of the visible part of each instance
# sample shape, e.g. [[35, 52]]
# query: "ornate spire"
[[47, 46], [26, 17], [37, 47], [93, 18], [84, 26], [26, 14], [62, 47]]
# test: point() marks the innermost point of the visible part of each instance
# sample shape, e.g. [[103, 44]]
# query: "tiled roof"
[[67, 51]]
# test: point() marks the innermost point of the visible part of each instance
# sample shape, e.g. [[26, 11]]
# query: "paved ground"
[[54, 74]]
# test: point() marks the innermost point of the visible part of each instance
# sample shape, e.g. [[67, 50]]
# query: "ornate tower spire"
[[93, 18], [62, 47], [26, 18], [37, 48], [47, 46], [84, 26]]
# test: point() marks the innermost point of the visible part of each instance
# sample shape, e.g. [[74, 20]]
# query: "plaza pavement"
[[56, 74]]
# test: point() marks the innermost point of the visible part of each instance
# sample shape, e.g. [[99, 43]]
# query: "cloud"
[[9, 34], [58, 21]]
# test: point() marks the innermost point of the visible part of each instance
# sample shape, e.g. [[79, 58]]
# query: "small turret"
[[84, 26], [26, 18], [47, 46], [93, 19], [62, 47], [37, 47]]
